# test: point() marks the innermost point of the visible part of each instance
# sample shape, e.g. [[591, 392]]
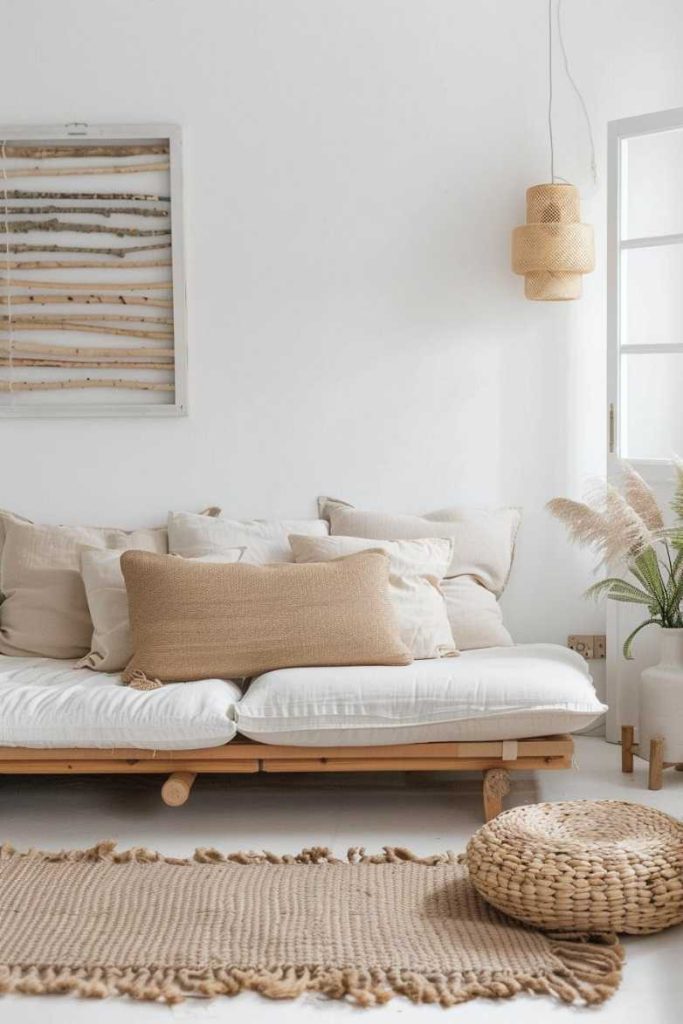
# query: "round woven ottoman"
[[582, 866]]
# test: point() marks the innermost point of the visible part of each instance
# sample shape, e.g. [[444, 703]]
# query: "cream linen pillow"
[[111, 647], [483, 550], [193, 621], [415, 567], [45, 611], [193, 535]]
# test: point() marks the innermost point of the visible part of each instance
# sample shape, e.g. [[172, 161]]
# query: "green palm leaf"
[[628, 642]]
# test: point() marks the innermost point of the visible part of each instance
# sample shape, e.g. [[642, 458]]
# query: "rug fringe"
[[582, 975], [106, 850]]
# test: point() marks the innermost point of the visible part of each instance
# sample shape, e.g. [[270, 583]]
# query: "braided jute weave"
[[582, 866], [97, 923]]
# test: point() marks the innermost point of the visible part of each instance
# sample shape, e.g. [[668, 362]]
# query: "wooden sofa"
[[494, 758]]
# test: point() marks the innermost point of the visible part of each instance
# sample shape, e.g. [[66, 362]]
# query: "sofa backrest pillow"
[[266, 540], [111, 647], [483, 549], [45, 611], [416, 568], [196, 621]]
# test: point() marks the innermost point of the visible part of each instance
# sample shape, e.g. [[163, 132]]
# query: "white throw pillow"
[[112, 643], [266, 541], [483, 549], [483, 539], [416, 567]]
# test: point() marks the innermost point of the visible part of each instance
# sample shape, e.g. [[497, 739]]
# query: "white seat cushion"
[[498, 693], [50, 703]]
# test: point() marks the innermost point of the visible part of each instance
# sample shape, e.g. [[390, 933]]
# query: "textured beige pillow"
[[416, 567], [45, 611], [112, 644], [266, 540], [194, 621], [483, 539]]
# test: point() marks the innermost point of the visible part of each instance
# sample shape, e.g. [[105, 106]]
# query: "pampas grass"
[[627, 530]]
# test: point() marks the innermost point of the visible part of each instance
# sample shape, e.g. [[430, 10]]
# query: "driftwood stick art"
[[33, 152], [60, 385], [96, 211], [21, 227], [83, 300], [79, 328], [22, 265], [59, 318], [104, 286], [120, 251], [87, 364], [53, 172], [141, 197], [85, 352]]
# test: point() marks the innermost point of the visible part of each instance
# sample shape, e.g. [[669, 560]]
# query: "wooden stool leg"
[[496, 786], [627, 748], [656, 763], [176, 789]]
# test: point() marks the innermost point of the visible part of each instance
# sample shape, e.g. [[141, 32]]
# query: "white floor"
[[427, 813]]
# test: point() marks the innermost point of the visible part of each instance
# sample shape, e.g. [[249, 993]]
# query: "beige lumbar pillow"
[[112, 643], [198, 621], [265, 540], [483, 549], [416, 568], [45, 611]]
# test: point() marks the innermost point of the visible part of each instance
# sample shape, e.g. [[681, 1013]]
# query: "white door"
[[645, 346]]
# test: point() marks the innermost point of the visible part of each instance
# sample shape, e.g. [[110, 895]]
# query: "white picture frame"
[[178, 405]]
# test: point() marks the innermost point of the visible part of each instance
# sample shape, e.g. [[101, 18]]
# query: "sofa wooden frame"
[[494, 758]]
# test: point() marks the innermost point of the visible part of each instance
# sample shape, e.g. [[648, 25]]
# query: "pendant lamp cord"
[[579, 96]]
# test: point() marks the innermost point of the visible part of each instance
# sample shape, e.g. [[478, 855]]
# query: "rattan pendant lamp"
[[554, 249]]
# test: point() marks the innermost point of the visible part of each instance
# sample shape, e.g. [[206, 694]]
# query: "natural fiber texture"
[[582, 866], [552, 249], [196, 620], [98, 923]]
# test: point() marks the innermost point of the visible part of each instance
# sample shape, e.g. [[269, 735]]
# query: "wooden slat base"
[[246, 756]]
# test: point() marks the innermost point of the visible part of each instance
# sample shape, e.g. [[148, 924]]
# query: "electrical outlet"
[[582, 644], [589, 647]]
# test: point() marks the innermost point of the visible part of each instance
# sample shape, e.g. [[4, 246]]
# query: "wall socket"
[[590, 647]]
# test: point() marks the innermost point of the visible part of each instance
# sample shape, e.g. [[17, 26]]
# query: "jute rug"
[[98, 923]]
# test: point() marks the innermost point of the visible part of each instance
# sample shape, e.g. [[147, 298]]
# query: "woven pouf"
[[582, 866]]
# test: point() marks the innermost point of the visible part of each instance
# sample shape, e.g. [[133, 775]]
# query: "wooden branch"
[[35, 348], [96, 211], [58, 318], [120, 251], [79, 328], [104, 286], [63, 385], [54, 172], [41, 152], [22, 265], [83, 300], [22, 227], [88, 364], [138, 197]]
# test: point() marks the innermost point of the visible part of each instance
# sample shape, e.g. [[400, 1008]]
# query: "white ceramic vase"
[[661, 698]]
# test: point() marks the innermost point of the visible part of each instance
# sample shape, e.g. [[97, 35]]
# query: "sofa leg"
[[496, 786], [176, 789]]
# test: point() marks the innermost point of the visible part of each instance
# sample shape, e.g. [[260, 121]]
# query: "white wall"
[[353, 170]]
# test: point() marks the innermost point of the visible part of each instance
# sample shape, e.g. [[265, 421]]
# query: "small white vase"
[[661, 698]]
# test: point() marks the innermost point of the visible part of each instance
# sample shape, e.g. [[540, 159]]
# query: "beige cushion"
[[45, 611], [416, 568], [483, 539], [112, 644], [266, 541], [475, 616], [198, 621]]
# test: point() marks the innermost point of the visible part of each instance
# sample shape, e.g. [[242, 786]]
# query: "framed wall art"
[[92, 286]]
